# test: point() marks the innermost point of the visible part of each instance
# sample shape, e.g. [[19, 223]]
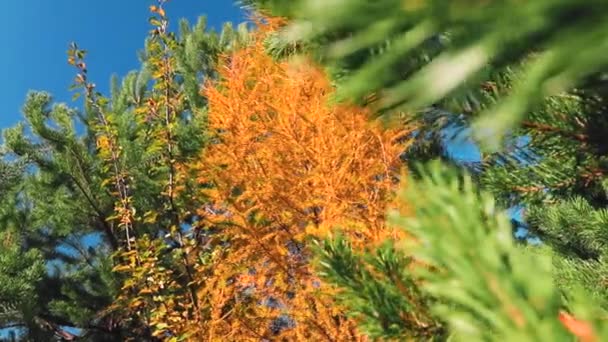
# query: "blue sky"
[[34, 36]]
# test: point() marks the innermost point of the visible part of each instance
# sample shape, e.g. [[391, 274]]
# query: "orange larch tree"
[[285, 167]]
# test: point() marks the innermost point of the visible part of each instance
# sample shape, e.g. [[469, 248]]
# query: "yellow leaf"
[[121, 268], [135, 303], [150, 217], [145, 291]]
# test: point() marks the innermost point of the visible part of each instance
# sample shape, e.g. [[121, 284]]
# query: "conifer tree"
[[59, 186], [285, 168]]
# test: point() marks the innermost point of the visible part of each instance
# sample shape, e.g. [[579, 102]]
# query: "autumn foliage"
[[231, 197], [286, 167]]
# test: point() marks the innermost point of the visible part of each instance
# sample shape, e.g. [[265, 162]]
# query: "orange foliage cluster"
[[286, 168]]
